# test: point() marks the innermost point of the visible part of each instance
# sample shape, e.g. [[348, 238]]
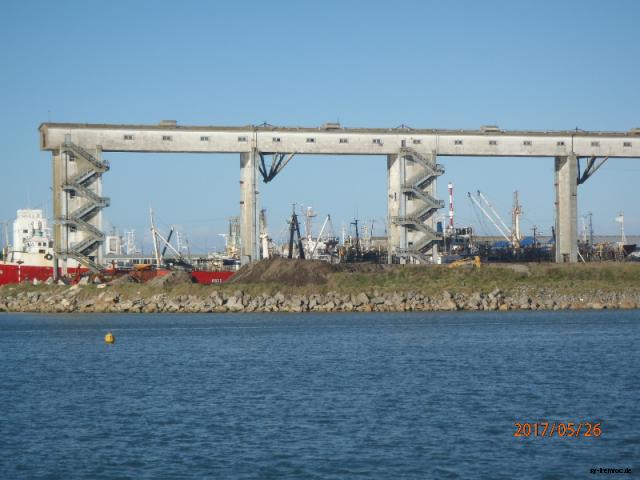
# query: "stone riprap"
[[89, 298]]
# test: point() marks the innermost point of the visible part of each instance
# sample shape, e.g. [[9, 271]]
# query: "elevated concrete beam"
[[566, 183], [344, 141]]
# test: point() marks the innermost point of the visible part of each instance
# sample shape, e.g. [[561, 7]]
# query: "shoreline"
[[281, 285], [89, 299]]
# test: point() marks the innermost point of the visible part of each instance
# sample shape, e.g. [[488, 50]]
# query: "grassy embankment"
[[428, 280]]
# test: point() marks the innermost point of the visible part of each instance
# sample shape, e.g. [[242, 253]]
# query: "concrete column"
[[64, 211], [97, 221], [566, 182], [433, 221], [56, 181], [249, 247], [394, 201], [60, 208]]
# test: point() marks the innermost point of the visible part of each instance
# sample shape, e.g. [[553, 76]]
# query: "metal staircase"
[[424, 205], [80, 224], [431, 168], [431, 202], [415, 222], [80, 218], [86, 261], [77, 150]]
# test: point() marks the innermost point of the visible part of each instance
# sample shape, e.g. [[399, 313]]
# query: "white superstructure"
[[30, 229]]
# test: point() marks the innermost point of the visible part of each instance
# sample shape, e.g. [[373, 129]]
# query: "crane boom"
[[477, 203], [481, 195], [315, 246]]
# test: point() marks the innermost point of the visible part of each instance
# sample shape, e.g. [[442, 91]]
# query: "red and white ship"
[[30, 256]]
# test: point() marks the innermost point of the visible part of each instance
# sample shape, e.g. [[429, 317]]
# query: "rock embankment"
[[90, 299]]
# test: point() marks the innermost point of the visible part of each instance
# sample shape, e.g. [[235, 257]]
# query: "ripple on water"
[[316, 396]]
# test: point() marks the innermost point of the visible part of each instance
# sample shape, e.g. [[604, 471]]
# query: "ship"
[[30, 258]]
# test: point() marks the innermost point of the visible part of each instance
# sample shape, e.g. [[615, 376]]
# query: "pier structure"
[[412, 166]]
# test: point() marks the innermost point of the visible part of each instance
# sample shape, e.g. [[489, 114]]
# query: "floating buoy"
[[109, 338]]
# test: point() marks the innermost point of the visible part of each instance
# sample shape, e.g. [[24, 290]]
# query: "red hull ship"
[[14, 273], [11, 273], [31, 258]]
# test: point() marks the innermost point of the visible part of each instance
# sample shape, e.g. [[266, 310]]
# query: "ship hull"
[[206, 278], [13, 273]]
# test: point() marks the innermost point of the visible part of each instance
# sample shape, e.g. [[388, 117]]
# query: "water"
[[316, 396]]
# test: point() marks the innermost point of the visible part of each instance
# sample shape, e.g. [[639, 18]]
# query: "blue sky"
[[520, 65]]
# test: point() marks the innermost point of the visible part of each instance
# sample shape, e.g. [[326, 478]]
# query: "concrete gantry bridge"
[[265, 150]]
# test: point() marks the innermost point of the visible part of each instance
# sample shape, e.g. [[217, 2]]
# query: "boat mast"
[[515, 220], [154, 238], [315, 246]]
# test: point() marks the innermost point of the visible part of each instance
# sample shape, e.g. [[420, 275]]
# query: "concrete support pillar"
[[249, 246], [395, 204], [60, 206], [566, 182], [433, 221], [97, 221], [56, 181]]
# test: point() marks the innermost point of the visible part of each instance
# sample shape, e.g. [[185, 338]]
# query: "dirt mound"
[[123, 280], [285, 271], [171, 279], [363, 267]]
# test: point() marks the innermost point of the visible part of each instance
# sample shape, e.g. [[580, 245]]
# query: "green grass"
[[428, 280]]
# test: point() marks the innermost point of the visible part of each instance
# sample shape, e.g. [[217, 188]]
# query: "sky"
[[540, 65]]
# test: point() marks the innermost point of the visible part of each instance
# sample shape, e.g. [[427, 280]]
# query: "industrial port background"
[[530, 65]]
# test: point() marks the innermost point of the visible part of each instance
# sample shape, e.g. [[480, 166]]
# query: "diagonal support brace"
[[278, 162], [591, 168]]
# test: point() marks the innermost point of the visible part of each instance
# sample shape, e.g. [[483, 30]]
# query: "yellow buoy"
[[109, 338]]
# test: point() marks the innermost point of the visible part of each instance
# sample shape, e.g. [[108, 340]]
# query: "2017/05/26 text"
[[559, 429]]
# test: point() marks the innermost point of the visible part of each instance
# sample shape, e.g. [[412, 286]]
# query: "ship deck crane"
[[512, 235], [504, 231], [155, 235]]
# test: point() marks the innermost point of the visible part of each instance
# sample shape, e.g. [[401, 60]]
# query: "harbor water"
[[327, 396]]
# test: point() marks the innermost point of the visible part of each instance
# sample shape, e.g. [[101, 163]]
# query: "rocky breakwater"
[[65, 299], [281, 285]]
